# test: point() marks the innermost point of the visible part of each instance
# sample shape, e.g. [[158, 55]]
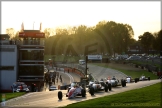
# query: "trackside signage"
[[34, 35], [94, 57]]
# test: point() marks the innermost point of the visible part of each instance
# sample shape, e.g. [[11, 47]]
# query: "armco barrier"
[[73, 70]]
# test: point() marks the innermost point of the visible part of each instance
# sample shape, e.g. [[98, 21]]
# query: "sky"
[[142, 16]]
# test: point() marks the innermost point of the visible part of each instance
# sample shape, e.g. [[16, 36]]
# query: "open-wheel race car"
[[129, 79], [114, 82], [95, 86], [75, 89], [143, 78]]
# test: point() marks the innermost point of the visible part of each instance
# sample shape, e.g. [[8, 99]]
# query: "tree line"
[[106, 37]]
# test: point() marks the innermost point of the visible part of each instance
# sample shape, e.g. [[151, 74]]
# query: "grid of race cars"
[[79, 89]]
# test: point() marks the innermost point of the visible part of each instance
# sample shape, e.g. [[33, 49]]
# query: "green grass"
[[132, 73], [8, 96], [149, 96], [148, 63]]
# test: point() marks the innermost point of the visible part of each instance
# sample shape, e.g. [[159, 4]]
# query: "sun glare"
[[55, 14]]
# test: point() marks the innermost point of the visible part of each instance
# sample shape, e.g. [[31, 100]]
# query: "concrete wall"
[[8, 58]]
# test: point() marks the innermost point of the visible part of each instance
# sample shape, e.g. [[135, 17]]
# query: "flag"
[[40, 26], [22, 27]]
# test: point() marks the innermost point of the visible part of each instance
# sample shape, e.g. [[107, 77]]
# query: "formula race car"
[[98, 86], [114, 82], [143, 78], [75, 90], [129, 79]]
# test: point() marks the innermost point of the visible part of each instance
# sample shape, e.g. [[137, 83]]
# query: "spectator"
[[53, 80], [60, 78], [50, 83], [32, 87], [22, 87], [57, 79]]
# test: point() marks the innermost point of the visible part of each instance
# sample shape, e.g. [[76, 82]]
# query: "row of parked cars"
[[134, 57]]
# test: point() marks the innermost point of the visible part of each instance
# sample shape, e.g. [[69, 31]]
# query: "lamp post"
[[86, 66], [86, 69], [161, 62], [53, 57]]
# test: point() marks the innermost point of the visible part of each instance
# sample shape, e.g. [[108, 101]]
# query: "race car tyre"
[[66, 95], [124, 83], [103, 84], [91, 91], [109, 86], [60, 95], [106, 88], [135, 80], [149, 78], [83, 92]]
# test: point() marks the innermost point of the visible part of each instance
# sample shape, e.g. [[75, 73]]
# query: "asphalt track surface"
[[49, 99], [67, 78], [101, 73]]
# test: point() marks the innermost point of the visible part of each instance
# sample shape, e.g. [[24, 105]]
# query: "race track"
[[50, 98]]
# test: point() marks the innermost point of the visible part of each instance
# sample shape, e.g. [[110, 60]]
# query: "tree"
[[106, 37], [159, 40], [155, 43], [61, 31], [16, 35], [10, 32], [48, 32], [146, 40]]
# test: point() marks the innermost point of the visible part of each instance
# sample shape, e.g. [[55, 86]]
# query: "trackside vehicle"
[[81, 62]]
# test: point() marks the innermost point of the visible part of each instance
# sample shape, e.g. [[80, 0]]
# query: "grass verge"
[[132, 73], [149, 96], [7, 96]]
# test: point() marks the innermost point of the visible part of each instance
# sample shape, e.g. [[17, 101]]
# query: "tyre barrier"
[[60, 95], [74, 71]]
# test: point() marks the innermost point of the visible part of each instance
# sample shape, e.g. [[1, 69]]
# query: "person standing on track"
[[57, 79], [60, 79]]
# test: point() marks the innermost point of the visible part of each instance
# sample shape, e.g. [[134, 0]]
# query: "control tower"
[[31, 57]]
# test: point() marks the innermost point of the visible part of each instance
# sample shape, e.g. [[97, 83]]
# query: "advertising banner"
[[32, 34], [94, 57]]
